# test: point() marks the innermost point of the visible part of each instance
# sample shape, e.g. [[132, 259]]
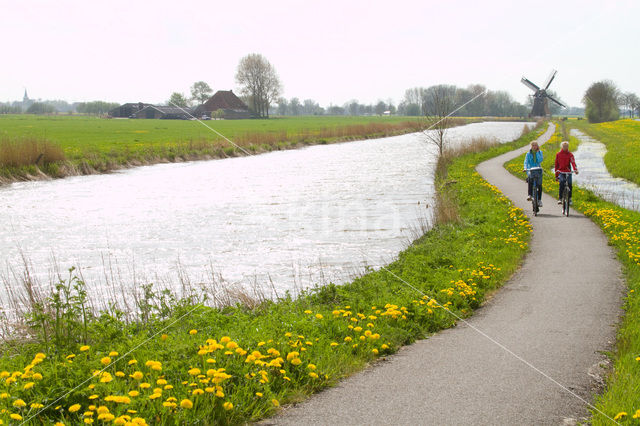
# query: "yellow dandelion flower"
[[275, 402], [28, 385], [375, 351], [197, 392], [164, 337], [308, 312], [113, 354], [227, 406], [319, 316], [186, 403], [74, 408], [120, 374], [225, 339], [88, 421], [15, 416], [259, 394], [145, 385], [105, 360], [93, 397], [192, 332], [133, 361], [84, 348], [133, 393], [102, 409], [137, 375], [19, 403], [194, 371], [620, 415]]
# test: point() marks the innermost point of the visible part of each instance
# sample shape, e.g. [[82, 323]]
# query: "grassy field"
[[183, 362], [90, 145], [622, 139], [621, 400]]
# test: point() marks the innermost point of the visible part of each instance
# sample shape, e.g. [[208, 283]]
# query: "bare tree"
[[438, 103], [260, 82]]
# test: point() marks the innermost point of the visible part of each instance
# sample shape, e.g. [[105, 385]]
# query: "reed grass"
[[29, 151]]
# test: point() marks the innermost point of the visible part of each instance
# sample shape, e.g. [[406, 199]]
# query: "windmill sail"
[[529, 84], [556, 101], [550, 79]]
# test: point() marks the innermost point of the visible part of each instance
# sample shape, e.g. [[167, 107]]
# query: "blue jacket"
[[531, 162]]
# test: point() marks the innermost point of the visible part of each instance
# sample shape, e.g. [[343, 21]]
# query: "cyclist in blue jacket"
[[534, 171]]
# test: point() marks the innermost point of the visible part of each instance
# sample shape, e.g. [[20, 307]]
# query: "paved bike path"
[[558, 312]]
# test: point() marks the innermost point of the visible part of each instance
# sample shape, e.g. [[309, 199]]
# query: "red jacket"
[[564, 159]]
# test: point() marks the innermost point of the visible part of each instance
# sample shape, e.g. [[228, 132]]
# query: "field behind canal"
[[84, 145]]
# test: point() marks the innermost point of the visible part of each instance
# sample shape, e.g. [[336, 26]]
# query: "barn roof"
[[224, 99]]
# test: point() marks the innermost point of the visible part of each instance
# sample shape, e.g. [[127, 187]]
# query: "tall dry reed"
[[29, 151]]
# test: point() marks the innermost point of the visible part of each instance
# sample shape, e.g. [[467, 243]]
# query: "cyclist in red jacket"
[[564, 163]]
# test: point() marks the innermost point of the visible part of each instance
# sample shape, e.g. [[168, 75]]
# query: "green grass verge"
[[622, 228], [192, 363], [622, 138]]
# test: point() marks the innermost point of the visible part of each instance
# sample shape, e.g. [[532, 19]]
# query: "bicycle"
[[534, 190], [566, 195]]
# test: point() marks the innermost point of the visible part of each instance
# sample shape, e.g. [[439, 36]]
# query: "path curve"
[[557, 312]]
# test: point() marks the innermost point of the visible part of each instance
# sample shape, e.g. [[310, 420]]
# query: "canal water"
[[286, 219], [595, 176]]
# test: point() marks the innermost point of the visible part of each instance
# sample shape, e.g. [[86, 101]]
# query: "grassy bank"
[[184, 362], [622, 228], [622, 139], [97, 145]]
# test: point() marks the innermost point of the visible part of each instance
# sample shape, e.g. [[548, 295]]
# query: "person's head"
[[534, 146], [564, 146]]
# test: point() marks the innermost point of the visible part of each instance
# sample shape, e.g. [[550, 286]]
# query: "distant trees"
[[494, 103], [200, 92], [259, 83], [179, 100], [40, 108], [601, 102], [631, 102], [6, 108], [95, 107]]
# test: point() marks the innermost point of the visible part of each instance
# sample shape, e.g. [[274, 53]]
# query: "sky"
[[329, 51]]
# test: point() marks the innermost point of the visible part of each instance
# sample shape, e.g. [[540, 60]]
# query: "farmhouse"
[[224, 104]]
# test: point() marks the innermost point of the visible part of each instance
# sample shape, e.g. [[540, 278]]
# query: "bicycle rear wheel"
[[534, 200]]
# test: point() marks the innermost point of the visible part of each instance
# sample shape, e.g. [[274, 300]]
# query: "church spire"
[[25, 97]]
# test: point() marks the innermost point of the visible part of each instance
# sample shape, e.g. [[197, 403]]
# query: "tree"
[[438, 104], [259, 82], [179, 100], [601, 102], [295, 108], [634, 104], [200, 92], [380, 107]]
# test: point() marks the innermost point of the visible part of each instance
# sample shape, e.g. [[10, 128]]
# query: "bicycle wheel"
[[565, 201], [534, 200]]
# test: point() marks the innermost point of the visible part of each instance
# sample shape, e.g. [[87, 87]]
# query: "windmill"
[[541, 97]]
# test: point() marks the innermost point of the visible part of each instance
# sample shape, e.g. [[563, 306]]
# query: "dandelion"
[[319, 316], [113, 354], [259, 394], [164, 337], [133, 393], [197, 392], [308, 312], [275, 402], [225, 339], [137, 375], [74, 408], [84, 348], [375, 351], [193, 332], [145, 385], [15, 416], [186, 404], [311, 366], [92, 397], [227, 406], [637, 414], [120, 374], [333, 344], [28, 385], [620, 415], [18, 403], [313, 375], [296, 361], [194, 371], [105, 361], [133, 361]]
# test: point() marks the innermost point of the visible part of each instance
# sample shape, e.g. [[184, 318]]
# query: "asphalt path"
[[531, 355]]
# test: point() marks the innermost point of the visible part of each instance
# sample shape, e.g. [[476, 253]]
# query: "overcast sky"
[[330, 51]]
